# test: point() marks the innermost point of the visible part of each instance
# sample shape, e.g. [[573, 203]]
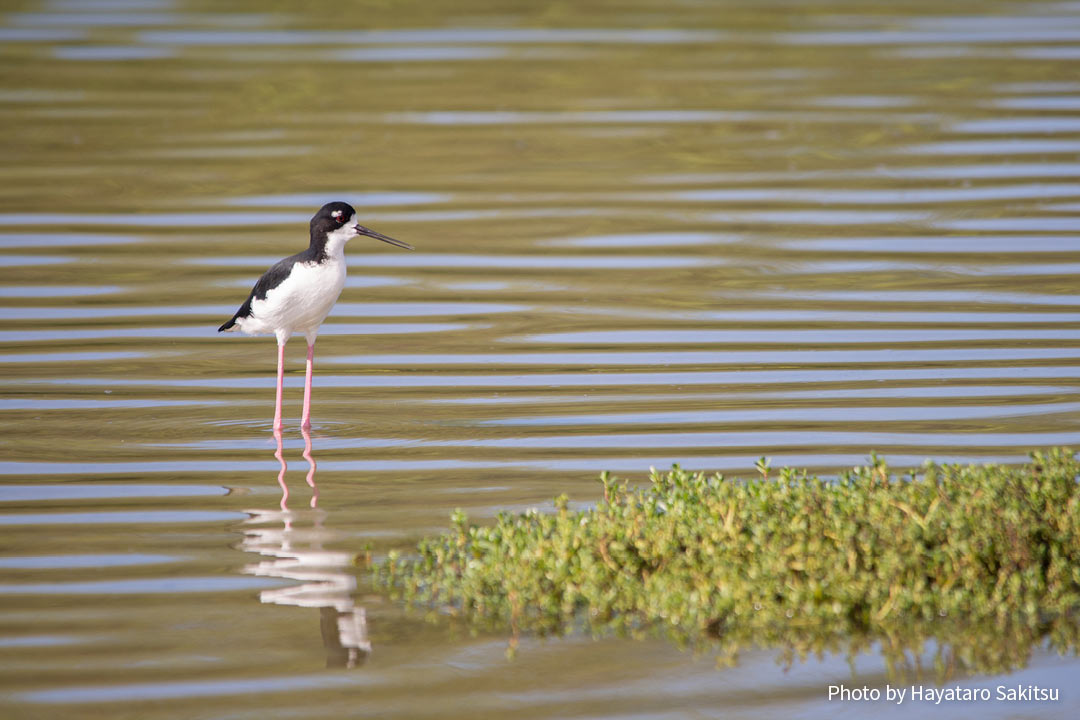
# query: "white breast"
[[301, 302]]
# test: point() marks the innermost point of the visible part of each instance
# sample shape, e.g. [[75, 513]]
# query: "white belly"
[[300, 303]]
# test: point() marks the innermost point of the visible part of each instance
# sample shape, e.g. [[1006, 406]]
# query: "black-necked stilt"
[[296, 294]]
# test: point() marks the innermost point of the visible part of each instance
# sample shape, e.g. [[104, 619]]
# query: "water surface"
[[696, 233]]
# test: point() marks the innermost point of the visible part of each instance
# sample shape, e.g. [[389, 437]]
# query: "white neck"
[[335, 241]]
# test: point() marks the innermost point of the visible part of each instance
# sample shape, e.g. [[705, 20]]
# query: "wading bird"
[[296, 294]]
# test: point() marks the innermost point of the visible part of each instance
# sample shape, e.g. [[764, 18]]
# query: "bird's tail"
[[244, 312]]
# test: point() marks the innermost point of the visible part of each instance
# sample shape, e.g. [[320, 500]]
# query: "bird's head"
[[336, 222]]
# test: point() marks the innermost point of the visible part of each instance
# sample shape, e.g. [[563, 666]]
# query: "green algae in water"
[[982, 560]]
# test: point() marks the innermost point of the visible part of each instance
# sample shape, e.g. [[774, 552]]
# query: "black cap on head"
[[334, 216], [330, 217]]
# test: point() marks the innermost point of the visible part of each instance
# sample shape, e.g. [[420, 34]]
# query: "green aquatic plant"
[[983, 560]]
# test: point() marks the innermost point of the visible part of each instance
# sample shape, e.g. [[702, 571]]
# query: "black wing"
[[269, 280]]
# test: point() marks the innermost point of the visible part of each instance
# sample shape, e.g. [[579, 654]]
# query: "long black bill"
[[385, 238]]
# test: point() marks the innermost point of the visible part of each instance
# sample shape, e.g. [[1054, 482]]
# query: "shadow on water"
[[297, 551], [673, 232]]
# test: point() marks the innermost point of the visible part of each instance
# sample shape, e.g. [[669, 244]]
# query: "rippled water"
[[654, 233]]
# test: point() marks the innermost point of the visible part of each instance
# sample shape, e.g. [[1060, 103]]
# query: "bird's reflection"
[[293, 542]]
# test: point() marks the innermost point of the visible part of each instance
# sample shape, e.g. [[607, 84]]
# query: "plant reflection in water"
[[295, 551]]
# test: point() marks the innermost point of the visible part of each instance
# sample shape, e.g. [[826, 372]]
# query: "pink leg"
[[280, 382], [305, 420]]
